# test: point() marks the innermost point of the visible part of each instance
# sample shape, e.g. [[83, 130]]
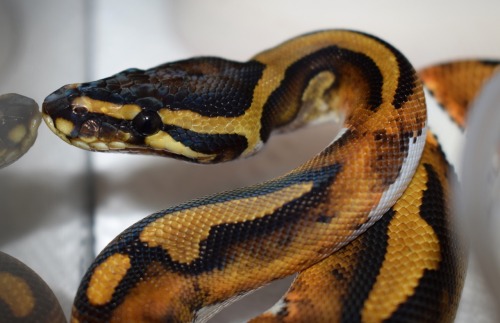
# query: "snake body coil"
[[180, 263]]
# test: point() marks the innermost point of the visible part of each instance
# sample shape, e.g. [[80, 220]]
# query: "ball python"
[[384, 173]]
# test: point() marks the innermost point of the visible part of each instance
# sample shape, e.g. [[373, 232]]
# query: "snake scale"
[[365, 223]]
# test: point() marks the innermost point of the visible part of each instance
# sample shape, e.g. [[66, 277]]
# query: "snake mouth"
[[117, 146], [94, 144]]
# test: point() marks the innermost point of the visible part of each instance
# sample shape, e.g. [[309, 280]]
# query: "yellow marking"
[[247, 125], [16, 293], [180, 233], [125, 112], [64, 126], [413, 247], [106, 278], [17, 134], [162, 140]]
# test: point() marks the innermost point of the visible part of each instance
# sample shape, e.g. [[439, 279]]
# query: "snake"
[[365, 224]]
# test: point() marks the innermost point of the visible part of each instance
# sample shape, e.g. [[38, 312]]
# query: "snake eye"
[[147, 122]]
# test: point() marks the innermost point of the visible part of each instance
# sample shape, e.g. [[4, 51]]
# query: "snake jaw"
[[92, 145]]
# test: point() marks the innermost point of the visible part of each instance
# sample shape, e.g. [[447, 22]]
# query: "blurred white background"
[[60, 205]]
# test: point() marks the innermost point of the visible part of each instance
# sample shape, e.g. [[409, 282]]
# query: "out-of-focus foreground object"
[[24, 296], [19, 120], [478, 203]]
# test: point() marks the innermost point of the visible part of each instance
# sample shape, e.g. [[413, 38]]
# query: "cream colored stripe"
[[162, 140]]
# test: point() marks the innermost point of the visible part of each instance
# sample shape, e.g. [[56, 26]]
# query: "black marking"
[[491, 62], [148, 103], [210, 86], [338, 274], [346, 137], [297, 76], [324, 219], [424, 305], [369, 261], [228, 145], [407, 79], [283, 312], [451, 174]]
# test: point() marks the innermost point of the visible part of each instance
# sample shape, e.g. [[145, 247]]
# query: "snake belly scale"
[[179, 263]]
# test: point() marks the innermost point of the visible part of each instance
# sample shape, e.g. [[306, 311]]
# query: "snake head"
[[161, 111]]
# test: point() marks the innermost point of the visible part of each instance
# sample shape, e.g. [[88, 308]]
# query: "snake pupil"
[[147, 122]]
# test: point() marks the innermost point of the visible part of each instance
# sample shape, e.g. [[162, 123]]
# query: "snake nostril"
[[79, 109]]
